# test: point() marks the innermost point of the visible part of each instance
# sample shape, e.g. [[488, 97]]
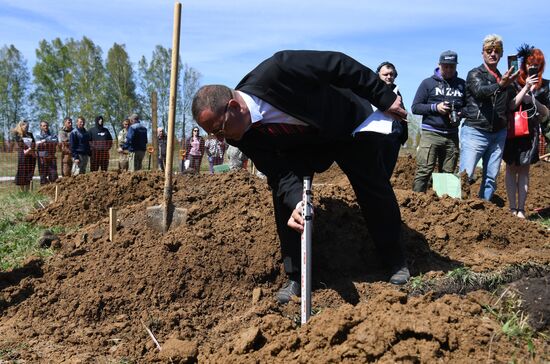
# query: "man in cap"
[[438, 99], [136, 143]]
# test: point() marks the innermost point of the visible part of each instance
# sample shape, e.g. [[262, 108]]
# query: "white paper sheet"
[[377, 122]]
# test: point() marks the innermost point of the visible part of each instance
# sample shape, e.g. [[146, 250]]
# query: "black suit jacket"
[[326, 90]]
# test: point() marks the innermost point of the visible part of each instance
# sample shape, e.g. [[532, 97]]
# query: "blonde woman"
[[26, 156]]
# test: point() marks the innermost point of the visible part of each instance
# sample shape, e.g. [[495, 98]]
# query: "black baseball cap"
[[448, 57]]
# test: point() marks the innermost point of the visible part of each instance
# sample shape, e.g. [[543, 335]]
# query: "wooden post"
[[112, 224], [56, 192], [154, 120]]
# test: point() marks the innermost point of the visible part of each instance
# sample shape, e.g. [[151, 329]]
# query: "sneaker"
[[289, 290], [400, 275]]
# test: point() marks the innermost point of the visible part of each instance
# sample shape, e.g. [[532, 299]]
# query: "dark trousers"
[[434, 147], [99, 160], [47, 168], [362, 162], [161, 159], [389, 145]]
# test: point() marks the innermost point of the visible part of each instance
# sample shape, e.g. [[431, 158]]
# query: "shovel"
[[162, 217]]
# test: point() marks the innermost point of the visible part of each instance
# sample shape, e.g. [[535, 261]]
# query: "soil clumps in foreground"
[[206, 289]]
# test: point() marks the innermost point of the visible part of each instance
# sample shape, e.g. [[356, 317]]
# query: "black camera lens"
[[453, 115]]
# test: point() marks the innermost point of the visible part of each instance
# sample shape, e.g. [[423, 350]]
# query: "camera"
[[533, 71], [453, 115]]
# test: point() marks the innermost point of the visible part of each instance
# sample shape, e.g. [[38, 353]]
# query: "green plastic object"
[[221, 168], [446, 184]]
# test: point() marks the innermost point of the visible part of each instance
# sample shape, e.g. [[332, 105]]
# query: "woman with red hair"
[[521, 152]]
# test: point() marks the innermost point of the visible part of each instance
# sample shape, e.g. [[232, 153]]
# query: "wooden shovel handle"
[[172, 105]]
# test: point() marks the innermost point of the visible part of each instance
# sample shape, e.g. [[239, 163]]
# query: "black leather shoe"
[[400, 275], [289, 290]]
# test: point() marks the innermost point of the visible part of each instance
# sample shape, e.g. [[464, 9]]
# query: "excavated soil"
[[206, 289]]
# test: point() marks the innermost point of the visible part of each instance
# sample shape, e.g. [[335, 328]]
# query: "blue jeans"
[[476, 144]]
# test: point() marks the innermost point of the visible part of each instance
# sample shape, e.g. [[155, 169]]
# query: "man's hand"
[[296, 221], [77, 161], [508, 77], [443, 108], [396, 111]]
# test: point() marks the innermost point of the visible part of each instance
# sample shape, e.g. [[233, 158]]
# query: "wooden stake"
[[56, 193], [112, 223], [154, 122]]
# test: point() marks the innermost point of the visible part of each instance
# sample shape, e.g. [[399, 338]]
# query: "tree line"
[[71, 78]]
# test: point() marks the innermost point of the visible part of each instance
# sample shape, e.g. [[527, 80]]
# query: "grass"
[[18, 238], [542, 218], [464, 275], [462, 280], [513, 322]]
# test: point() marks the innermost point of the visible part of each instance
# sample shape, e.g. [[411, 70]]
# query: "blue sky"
[[225, 39]]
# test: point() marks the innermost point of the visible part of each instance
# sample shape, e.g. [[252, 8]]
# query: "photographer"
[[438, 99]]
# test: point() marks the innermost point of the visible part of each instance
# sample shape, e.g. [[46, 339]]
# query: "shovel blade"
[[175, 216]]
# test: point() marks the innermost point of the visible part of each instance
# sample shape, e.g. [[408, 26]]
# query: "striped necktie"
[[281, 128]]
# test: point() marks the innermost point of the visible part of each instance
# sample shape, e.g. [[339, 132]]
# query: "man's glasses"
[[220, 133], [492, 50]]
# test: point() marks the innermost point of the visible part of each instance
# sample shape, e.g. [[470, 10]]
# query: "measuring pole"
[[307, 213]]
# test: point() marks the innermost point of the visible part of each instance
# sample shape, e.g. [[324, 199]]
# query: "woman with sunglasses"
[[521, 152], [195, 150]]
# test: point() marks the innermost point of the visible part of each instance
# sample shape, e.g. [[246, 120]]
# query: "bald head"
[[210, 97]]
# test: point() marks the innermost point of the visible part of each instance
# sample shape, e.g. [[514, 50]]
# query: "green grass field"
[[18, 239]]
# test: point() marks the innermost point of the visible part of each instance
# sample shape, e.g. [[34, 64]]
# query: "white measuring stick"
[[307, 213]]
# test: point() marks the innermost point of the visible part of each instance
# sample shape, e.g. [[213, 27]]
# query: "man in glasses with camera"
[[489, 103], [438, 99], [294, 115]]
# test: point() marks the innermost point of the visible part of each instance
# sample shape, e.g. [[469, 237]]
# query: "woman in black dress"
[[521, 152], [26, 156]]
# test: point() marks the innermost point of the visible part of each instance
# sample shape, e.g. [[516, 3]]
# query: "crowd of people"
[[80, 147], [488, 102]]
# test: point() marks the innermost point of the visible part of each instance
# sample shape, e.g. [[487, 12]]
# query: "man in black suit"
[[294, 115]]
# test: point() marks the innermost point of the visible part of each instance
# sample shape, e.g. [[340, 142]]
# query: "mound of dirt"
[[205, 290]]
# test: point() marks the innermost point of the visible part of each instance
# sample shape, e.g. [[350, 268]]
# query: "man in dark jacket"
[[79, 142], [136, 143], [489, 103], [438, 99], [100, 144], [46, 144], [391, 143], [294, 115]]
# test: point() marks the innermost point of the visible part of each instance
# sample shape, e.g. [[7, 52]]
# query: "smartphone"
[[513, 62], [533, 71]]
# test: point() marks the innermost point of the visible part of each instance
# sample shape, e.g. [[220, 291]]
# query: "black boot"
[[400, 275], [289, 290]]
